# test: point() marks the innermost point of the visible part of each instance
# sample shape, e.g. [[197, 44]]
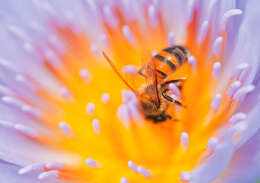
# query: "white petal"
[[244, 166], [247, 45], [9, 175], [212, 167], [18, 149]]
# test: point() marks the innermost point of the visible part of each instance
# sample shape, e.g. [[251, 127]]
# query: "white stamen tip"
[[54, 165], [237, 118], [129, 69], [190, 9], [154, 53], [217, 45], [143, 171], [133, 110], [242, 66], [228, 15], [241, 126], [31, 110], [233, 88], [91, 4], [94, 49], [110, 16], [170, 39], [216, 102], [65, 128], [123, 115], [91, 163], [184, 139], [132, 166], [104, 39], [128, 96], [192, 61], [52, 57], [96, 126], [153, 15], [212, 143], [240, 69], [6, 91], [26, 131], [128, 34], [65, 93], [216, 69], [46, 7], [175, 89], [25, 170], [105, 98], [203, 31], [243, 91], [84, 74], [186, 176], [90, 108], [6, 63], [55, 42], [22, 79], [8, 99], [28, 47], [30, 168], [123, 180], [19, 33], [53, 174], [155, 2]]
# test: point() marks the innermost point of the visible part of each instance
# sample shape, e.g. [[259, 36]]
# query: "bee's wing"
[[148, 71], [152, 81], [145, 58]]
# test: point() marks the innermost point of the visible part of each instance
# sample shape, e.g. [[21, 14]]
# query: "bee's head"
[[147, 104]]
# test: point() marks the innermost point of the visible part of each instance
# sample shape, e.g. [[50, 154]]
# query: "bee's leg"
[[178, 82], [170, 99], [159, 118], [156, 119], [141, 72], [167, 97], [167, 116]]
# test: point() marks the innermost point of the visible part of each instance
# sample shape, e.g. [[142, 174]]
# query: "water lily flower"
[[66, 116]]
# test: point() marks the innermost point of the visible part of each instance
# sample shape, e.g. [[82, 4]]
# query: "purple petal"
[[9, 174], [212, 167], [244, 166]]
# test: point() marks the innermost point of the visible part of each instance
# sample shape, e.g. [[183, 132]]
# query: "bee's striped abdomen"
[[180, 52], [169, 60], [166, 61]]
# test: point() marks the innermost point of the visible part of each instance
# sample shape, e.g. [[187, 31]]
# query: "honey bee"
[[153, 97]]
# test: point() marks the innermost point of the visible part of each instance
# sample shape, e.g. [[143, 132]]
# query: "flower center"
[[109, 132]]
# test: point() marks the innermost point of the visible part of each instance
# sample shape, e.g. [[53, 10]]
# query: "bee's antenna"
[[116, 71]]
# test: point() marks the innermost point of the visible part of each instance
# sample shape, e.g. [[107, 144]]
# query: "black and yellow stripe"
[[166, 61], [180, 52], [172, 57]]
